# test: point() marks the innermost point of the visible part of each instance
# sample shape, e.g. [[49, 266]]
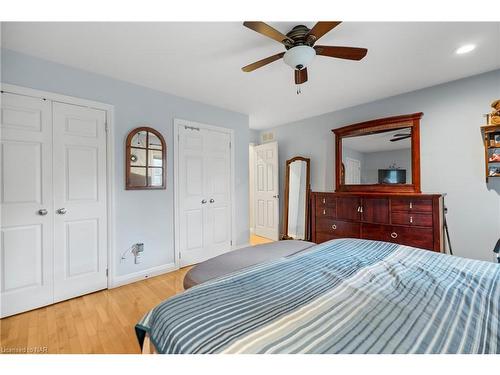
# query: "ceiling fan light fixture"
[[299, 57]]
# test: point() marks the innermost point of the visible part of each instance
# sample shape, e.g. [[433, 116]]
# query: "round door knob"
[[61, 211], [334, 227], [212, 200], [42, 212], [203, 201], [394, 235]]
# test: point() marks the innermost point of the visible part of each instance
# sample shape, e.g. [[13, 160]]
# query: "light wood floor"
[[257, 240], [101, 322]]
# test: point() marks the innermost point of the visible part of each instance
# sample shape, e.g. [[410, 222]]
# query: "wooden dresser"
[[408, 219]]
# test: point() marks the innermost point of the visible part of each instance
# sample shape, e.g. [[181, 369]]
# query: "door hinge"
[[231, 242], [229, 144], [107, 272], [106, 127], [180, 256]]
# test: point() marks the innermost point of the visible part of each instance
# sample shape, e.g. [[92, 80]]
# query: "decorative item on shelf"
[[494, 116], [494, 171], [494, 156], [145, 160]]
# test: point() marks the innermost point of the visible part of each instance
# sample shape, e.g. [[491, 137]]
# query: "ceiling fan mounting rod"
[[299, 36]]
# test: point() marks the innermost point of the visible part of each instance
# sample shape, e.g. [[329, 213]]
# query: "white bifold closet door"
[[204, 162], [80, 222], [53, 198]]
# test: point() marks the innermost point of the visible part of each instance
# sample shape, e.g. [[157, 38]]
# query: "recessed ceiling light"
[[465, 49]]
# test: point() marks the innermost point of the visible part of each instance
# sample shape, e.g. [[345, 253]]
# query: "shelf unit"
[[489, 132]]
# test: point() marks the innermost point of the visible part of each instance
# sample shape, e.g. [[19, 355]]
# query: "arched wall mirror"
[[145, 160], [297, 190]]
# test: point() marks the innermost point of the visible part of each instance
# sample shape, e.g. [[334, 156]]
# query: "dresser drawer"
[[411, 205], [411, 236], [325, 212], [338, 228], [323, 200], [412, 218]]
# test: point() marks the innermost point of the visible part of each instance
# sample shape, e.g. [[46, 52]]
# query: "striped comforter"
[[343, 296]]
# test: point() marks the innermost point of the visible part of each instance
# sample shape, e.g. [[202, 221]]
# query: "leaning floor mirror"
[[297, 189]]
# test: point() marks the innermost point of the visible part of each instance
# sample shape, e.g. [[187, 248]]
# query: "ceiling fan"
[[300, 48], [399, 137]]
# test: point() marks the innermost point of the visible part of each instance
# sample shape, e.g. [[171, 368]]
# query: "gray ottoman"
[[238, 259]]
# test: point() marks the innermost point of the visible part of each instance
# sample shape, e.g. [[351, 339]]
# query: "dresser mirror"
[[381, 155], [297, 190], [380, 158]]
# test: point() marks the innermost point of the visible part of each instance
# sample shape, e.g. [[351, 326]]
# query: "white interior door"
[[266, 191], [204, 174], [80, 220], [352, 171], [26, 197]]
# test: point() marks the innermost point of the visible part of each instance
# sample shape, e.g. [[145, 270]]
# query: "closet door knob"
[[334, 227], [42, 212], [61, 211], [394, 235], [212, 200], [203, 201]]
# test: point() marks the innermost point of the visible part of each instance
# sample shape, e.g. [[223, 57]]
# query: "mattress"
[[342, 296], [238, 259]]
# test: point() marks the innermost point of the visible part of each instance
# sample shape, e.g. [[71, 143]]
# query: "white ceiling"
[[202, 61], [378, 141]]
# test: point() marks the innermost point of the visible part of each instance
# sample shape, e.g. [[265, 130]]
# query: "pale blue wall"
[[141, 216], [452, 154]]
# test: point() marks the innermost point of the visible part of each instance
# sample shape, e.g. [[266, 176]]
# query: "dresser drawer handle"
[[324, 200], [324, 212], [411, 205], [411, 219], [334, 227], [394, 235]]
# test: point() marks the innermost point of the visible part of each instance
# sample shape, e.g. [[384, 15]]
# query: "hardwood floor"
[[101, 322], [257, 240]]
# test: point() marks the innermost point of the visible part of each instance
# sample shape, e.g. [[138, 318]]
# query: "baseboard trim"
[[142, 275], [236, 247]]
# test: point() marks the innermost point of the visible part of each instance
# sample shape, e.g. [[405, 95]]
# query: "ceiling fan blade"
[[261, 63], [265, 29], [400, 138], [401, 134], [300, 76], [321, 28], [349, 53]]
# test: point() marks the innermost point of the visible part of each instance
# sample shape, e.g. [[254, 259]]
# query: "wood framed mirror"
[[297, 191], [381, 155], [145, 160]]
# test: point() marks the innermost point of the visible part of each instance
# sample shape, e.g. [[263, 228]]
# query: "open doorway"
[[263, 193]]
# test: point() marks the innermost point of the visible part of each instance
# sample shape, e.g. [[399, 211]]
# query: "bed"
[[342, 296], [242, 258]]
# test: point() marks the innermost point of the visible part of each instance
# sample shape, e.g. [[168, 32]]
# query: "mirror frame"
[[308, 194], [128, 148], [375, 126]]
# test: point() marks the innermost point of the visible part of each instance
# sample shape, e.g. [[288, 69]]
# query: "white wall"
[[452, 154], [141, 216]]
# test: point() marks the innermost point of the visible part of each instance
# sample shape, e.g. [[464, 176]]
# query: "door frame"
[[110, 159], [178, 122]]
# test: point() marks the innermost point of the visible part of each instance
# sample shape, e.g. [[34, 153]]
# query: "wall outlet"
[[137, 250]]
